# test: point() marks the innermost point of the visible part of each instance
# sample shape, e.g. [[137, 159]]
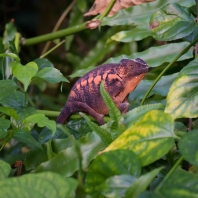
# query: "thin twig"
[[58, 24]]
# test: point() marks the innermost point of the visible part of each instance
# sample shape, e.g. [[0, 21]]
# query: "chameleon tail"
[[65, 113]]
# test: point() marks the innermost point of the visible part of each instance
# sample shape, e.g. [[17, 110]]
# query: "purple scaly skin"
[[119, 80]]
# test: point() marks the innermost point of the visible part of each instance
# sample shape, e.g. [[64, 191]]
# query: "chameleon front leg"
[[114, 92]]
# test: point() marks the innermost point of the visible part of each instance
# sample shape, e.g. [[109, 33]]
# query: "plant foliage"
[[139, 154]]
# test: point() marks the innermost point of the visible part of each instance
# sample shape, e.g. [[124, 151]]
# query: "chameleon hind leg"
[[83, 107]]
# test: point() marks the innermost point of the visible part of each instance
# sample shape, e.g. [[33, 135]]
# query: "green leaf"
[[188, 146], [7, 87], [141, 184], [39, 185], [109, 164], [50, 152], [104, 135], [9, 111], [141, 14], [116, 186], [11, 55], [138, 33], [134, 115], [150, 138], [182, 98], [43, 63], [172, 22], [114, 112], [24, 73], [161, 88], [41, 120], [9, 33], [150, 194], [25, 137], [67, 162], [13, 100], [51, 75], [4, 170], [4, 125], [82, 5], [154, 56], [180, 184], [35, 157]]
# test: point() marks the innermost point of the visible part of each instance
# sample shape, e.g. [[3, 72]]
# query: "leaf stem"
[[55, 35], [52, 49], [56, 27], [166, 68], [169, 173], [107, 10], [72, 117], [64, 32]]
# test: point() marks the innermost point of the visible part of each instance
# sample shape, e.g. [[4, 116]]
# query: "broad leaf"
[[43, 63], [134, 115], [13, 100], [182, 98], [4, 125], [188, 146], [25, 137], [7, 87], [141, 184], [5, 169], [154, 56], [116, 186], [172, 22], [38, 185], [67, 162], [138, 15], [24, 73], [51, 75], [138, 33], [35, 157], [41, 120], [150, 138], [11, 55], [161, 88], [109, 164], [9, 111], [180, 184]]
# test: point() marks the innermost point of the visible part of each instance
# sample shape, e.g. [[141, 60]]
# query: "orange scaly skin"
[[119, 80]]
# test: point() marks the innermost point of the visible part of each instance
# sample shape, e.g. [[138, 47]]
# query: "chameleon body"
[[119, 80]]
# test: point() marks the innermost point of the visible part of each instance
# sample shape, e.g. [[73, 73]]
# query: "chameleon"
[[119, 80]]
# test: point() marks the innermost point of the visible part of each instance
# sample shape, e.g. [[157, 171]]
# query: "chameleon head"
[[135, 67]]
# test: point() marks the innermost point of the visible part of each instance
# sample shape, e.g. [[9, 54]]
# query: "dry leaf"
[[100, 5]]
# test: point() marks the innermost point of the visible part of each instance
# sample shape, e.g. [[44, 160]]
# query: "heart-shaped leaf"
[[24, 73]]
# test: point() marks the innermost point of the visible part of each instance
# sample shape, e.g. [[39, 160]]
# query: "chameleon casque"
[[119, 80]]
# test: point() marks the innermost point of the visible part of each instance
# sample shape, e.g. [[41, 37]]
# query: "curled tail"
[[65, 113]]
